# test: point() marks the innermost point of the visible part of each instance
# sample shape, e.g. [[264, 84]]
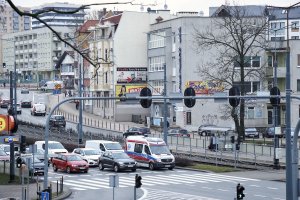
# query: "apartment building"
[[34, 53], [120, 46], [58, 19]]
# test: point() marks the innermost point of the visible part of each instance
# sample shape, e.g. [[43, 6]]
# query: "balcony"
[[279, 46], [57, 49]]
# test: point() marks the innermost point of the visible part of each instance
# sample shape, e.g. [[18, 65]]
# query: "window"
[[298, 85], [147, 150], [295, 26], [270, 61], [250, 61], [250, 87], [102, 148], [157, 39], [250, 113], [295, 37], [156, 63], [138, 148], [188, 118]]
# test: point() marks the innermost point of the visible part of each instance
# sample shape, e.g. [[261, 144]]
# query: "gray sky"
[[173, 5]]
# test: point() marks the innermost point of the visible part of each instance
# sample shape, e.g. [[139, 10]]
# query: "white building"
[[120, 45], [57, 19], [34, 53]]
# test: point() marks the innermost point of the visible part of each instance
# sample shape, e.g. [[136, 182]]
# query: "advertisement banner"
[[205, 87], [132, 75], [122, 90]]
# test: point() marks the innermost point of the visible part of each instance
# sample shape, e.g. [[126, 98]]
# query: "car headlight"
[[158, 160], [121, 163], [74, 165]]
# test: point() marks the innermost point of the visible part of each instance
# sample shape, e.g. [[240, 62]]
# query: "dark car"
[[4, 103], [270, 131], [35, 166], [57, 121], [137, 131], [116, 161], [25, 104], [178, 132]]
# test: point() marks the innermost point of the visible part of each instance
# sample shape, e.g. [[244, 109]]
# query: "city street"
[[165, 184]]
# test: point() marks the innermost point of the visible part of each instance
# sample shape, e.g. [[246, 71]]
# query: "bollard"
[[56, 187]]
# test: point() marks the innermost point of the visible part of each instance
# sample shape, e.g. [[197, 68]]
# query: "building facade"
[[74, 20], [34, 53]]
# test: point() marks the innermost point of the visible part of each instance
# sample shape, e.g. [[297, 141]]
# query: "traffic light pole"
[[12, 148], [165, 106]]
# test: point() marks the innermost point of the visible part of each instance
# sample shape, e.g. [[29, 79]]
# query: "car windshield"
[[250, 129], [183, 131], [144, 130], [120, 155], [73, 158], [113, 146], [40, 151], [91, 152], [59, 117], [159, 149], [55, 146], [2, 153]]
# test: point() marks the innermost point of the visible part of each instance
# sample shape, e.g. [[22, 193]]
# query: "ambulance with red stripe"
[[149, 152]]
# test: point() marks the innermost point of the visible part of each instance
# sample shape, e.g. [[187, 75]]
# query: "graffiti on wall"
[[210, 119], [205, 87]]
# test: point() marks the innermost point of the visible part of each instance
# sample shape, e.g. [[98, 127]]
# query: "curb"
[[64, 195]]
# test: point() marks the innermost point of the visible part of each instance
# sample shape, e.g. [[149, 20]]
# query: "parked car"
[[39, 154], [4, 156], [251, 133], [116, 161], [270, 132], [4, 103], [24, 91], [179, 132], [57, 121], [137, 131], [19, 109], [69, 162], [35, 166], [90, 155], [25, 103], [203, 132]]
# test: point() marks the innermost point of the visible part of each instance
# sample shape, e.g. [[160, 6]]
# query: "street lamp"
[[291, 173]]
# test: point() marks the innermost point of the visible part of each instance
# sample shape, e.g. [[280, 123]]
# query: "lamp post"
[[291, 172]]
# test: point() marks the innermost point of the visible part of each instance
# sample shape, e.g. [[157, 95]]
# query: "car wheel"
[[86, 171], [151, 166], [101, 166], [116, 168], [68, 170], [54, 168], [171, 168], [133, 170], [203, 133]]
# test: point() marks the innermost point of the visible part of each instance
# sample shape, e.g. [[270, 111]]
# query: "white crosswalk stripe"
[[163, 195], [151, 180]]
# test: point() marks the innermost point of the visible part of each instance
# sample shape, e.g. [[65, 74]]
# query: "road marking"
[[257, 195], [271, 188], [223, 190], [254, 185]]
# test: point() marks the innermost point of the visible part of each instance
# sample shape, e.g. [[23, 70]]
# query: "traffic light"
[[23, 144], [138, 181], [232, 139], [189, 102], [234, 91], [19, 162], [146, 92], [275, 101], [240, 192]]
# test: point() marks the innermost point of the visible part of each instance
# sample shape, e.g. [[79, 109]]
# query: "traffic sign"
[[44, 195], [10, 139]]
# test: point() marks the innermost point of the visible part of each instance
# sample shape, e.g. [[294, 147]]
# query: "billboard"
[[122, 90], [205, 87], [131, 75]]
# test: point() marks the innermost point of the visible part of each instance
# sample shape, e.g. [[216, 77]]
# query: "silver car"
[[251, 133]]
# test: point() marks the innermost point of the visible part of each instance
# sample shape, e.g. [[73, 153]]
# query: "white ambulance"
[[149, 152]]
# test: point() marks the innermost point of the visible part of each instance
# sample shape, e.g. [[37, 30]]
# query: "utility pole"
[[165, 106], [12, 150], [80, 102]]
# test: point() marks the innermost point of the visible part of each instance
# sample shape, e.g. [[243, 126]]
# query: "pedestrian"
[[77, 105], [4, 84], [65, 93], [70, 93]]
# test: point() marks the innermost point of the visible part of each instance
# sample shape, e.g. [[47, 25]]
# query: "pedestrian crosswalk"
[[102, 182], [163, 195]]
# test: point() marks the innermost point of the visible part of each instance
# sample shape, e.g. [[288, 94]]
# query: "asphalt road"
[[165, 184]]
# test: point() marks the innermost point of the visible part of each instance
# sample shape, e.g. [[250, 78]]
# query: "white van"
[[149, 152], [54, 147], [38, 109], [104, 145], [51, 85]]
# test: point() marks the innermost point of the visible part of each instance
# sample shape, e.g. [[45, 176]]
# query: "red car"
[[69, 162]]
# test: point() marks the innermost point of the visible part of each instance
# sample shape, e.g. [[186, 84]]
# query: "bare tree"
[[234, 38]]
